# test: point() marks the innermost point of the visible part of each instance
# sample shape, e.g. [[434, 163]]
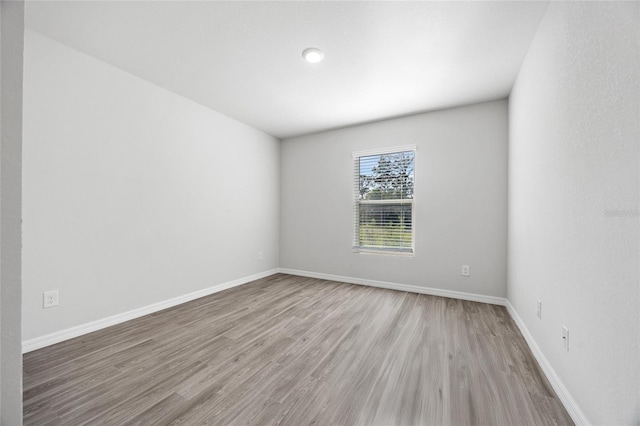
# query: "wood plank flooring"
[[296, 351]]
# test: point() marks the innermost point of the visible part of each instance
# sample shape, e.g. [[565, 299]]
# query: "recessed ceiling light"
[[313, 55]]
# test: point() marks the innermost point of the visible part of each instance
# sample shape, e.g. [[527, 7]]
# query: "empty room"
[[330, 213]]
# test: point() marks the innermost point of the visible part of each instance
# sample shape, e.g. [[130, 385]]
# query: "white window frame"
[[357, 202]]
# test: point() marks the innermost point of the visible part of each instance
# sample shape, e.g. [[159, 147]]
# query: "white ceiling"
[[243, 59]]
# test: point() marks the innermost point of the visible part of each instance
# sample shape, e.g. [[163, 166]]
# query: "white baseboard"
[[577, 415], [69, 333], [402, 287]]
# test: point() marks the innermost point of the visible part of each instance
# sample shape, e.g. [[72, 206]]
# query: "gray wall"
[[574, 199], [133, 195], [460, 200], [11, 38]]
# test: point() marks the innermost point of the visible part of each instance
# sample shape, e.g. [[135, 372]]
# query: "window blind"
[[384, 200]]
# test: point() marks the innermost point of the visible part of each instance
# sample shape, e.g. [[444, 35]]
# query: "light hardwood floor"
[[297, 351]]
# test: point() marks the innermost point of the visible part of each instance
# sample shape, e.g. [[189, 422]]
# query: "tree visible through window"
[[383, 218]]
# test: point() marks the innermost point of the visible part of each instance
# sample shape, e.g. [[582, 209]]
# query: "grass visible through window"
[[385, 235]]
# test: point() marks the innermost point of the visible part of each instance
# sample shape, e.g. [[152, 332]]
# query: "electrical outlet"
[[565, 337], [50, 299], [260, 255], [539, 309], [465, 270]]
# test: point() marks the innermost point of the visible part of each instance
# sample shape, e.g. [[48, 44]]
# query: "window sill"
[[387, 252]]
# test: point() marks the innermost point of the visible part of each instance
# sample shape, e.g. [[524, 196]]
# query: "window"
[[383, 200]]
